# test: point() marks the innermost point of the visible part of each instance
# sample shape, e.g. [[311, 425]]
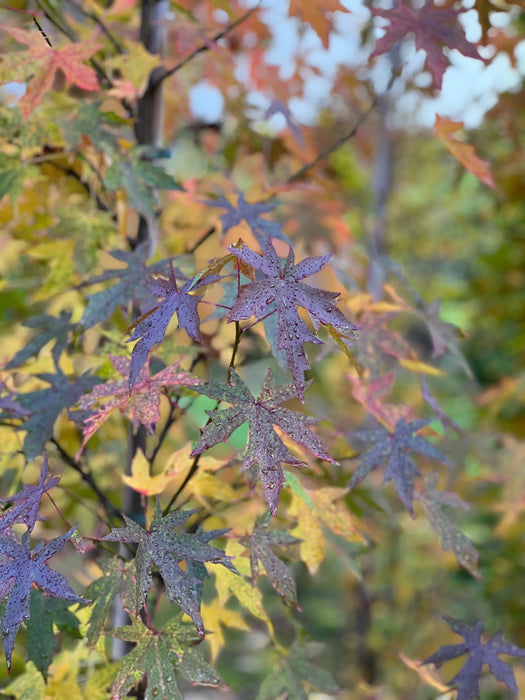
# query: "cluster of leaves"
[[153, 482]]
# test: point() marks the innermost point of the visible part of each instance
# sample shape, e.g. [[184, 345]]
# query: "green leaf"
[[44, 612], [293, 671], [103, 592], [161, 654]]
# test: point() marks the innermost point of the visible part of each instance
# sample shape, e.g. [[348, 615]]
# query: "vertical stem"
[[148, 132]]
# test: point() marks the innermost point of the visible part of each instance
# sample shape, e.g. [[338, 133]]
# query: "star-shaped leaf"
[[51, 328], [161, 654], [22, 567], [284, 290], [392, 448], [45, 61], [262, 229], [46, 612], [435, 28], [46, 405], [265, 451], [467, 679], [164, 548], [452, 539], [133, 285], [142, 405], [151, 328], [260, 543], [24, 505]]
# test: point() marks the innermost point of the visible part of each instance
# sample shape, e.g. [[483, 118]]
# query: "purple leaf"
[[164, 548], [262, 229], [467, 679], [151, 328], [142, 405], [17, 576], [24, 505], [133, 285], [265, 451], [392, 448], [259, 543], [284, 289]]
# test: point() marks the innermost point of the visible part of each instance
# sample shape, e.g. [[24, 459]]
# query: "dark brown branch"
[[206, 47], [111, 510]]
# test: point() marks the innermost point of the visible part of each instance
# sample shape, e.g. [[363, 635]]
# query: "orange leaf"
[[464, 152], [315, 14], [48, 61]]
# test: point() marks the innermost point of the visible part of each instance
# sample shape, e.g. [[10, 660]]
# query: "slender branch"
[[335, 145], [167, 425], [206, 47], [345, 137], [235, 348], [111, 510], [95, 18], [202, 239]]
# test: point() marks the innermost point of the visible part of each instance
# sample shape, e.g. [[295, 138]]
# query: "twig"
[[205, 47], [111, 510], [346, 137], [202, 239], [236, 343], [335, 145]]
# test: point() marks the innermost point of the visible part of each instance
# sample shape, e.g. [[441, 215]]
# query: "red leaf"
[[434, 28], [48, 60], [463, 152]]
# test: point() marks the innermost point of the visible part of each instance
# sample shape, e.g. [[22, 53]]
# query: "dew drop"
[[269, 300], [271, 486], [155, 692]]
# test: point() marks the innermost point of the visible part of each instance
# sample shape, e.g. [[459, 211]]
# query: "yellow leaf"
[[308, 530], [421, 367], [135, 66], [141, 479], [426, 673], [216, 616], [334, 513]]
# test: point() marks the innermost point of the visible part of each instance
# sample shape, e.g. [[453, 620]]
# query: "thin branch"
[[111, 510], [345, 137], [235, 348], [206, 47], [335, 145], [202, 239]]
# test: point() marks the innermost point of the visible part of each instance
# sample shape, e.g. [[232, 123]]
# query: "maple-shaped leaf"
[[151, 328], [45, 61], [265, 451], [161, 654], [133, 285], [463, 152], [260, 543], [315, 14], [20, 569], [139, 178], [163, 547], [262, 229], [290, 673], [24, 505], [142, 405], [51, 328], [44, 613], [435, 27], [45, 406], [284, 289], [467, 679], [452, 539], [392, 448]]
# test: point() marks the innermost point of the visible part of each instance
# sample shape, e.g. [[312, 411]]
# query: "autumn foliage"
[[213, 364]]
